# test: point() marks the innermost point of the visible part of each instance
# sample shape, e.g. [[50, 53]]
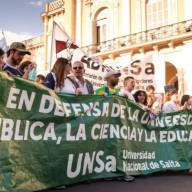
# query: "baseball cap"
[[19, 47], [112, 72]]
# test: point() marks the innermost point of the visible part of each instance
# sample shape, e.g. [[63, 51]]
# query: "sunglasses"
[[77, 68]]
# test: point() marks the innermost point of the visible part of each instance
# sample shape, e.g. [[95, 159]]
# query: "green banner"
[[49, 140]]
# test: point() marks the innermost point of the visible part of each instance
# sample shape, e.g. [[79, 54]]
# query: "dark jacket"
[[50, 81]]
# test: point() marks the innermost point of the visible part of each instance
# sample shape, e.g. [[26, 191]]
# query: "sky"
[[20, 19]]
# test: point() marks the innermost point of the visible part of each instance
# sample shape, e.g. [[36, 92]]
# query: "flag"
[[3, 42], [63, 46], [145, 70]]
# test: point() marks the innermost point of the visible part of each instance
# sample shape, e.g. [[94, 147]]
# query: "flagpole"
[[55, 24], [4, 38], [51, 57], [3, 42], [68, 39]]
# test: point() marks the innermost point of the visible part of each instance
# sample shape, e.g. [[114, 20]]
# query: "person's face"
[[141, 97], [26, 68], [78, 69], [67, 69], [150, 92], [17, 57], [113, 80], [39, 80], [190, 101], [130, 84], [175, 98]]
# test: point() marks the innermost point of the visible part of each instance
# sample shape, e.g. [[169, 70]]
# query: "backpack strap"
[[89, 87], [74, 82], [88, 84]]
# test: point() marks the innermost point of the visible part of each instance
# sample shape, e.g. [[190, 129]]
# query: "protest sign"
[[49, 140]]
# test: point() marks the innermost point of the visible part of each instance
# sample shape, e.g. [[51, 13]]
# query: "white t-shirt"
[[169, 107], [144, 107], [70, 88], [127, 94]]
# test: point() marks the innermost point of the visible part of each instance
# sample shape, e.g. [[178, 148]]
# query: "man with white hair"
[[76, 83]]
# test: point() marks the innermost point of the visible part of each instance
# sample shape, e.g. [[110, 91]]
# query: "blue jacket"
[[50, 81]]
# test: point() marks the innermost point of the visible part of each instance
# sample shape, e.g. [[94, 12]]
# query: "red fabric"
[[60, 46], [73, 46]]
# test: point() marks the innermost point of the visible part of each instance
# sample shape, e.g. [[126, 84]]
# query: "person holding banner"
[[172, 105], [112, 78], [154, 100], [186, 102], [129, 85], [1, 59], [76, 83], [56, 78], [26, 68], [141, 98]]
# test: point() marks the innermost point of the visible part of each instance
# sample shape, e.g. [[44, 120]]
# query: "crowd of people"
[[69, 78]]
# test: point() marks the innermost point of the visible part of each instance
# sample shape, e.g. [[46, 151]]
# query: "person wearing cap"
[[15, 54], [112, 78], [129, 85]]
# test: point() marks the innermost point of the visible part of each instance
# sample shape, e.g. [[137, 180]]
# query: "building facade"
[[120, 31]]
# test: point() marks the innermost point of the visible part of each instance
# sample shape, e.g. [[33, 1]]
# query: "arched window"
[[157, 13], [102, 24]]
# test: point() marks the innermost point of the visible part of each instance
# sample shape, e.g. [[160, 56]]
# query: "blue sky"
[[21, 18]]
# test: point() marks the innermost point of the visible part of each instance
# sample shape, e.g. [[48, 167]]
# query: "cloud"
[[38, 3], [11, 36]]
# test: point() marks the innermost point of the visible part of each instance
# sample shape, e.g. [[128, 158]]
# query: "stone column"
[[78, 22], [126, 21], [187, 66], [159, 64], [45, 20]]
